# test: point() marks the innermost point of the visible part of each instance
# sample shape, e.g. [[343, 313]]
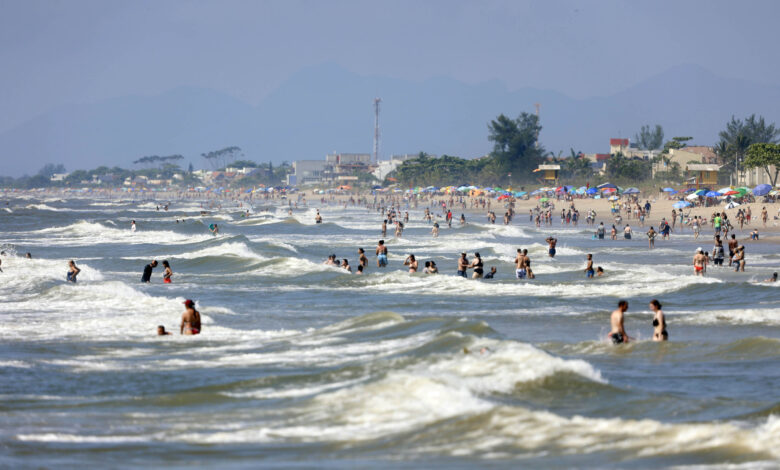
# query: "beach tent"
[[762, 189], [732, 205]]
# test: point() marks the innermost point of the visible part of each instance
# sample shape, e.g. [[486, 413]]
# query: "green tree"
[[650, 139], [515, 146], [221, 158], [50, 169], [764, 155]]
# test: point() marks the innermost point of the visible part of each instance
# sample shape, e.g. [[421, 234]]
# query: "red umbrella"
[[730, 193]]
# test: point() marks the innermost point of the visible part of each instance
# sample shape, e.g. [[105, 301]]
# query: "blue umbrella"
[[607, 185], [713, 194], [631, 191], [681, 204], [592, 191], [670, 190], [762, 189]]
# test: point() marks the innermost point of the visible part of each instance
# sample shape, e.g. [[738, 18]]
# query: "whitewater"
[[304, 365]]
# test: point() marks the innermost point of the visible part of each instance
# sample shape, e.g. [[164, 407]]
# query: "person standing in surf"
[[147, 275], [659, 322], [698, 262], [167, 272], [73, 271], [589, 272], [190, 319], [381, 254], [617, 333], [551, 242]]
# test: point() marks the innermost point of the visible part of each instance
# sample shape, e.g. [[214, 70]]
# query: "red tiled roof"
[[618, 142], [602, 156]]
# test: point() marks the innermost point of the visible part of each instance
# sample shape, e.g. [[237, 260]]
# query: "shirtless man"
[[520, 271], [463, 264], [551, 242], [589, 272], [381, 254], [698, 262], [732, 247], [617, 333], [362, 260], [384, 228], [190, 319]]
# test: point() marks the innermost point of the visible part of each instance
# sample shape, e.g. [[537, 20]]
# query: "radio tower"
[[537, 106], [376, 129]]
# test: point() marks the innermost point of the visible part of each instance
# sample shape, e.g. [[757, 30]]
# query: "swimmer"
[[411, 261], [381, 254], [698, 262], [651, 234], [773, 278], [477, 265], [318, 218], [28, 255], [589, 272], [528, 271], [167, 272], [617, 333], [599, 271], [132, 226], [147, 275], [161, 331], [492, 273], [214, 228], [73, 271], [463, 264], [520, 271], [435, 230], [551, 242], [190, 319], [362, 260], [659, 322], [359, 269], [384, 228], [431, 268], [345, 265]]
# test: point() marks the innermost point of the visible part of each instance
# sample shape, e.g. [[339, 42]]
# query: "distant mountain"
[[327, 108]]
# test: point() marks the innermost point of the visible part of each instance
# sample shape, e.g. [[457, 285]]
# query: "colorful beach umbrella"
[[681, 204]]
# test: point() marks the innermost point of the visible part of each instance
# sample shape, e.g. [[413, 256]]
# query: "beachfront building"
[[309, 171], [702, 174], [618, 146], [751, 177], [385, 167], [684, 156]]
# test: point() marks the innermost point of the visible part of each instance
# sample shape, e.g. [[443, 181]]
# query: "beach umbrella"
[[613, 198], [724, 190], [670, 190], [544, 199], [631, 191], [592, 191], [692, 197], [712, 194], [681, 204], [609, 190], [606, 185], [731, 193], [701, 192], [690, 190], [502, 197], [520, 193], [732, 205]]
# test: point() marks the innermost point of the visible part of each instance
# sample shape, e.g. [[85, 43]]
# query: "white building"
[[385, 167], [309, 171]]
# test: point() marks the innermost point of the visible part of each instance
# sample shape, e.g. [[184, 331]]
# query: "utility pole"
[[376, 129], [537, 106]]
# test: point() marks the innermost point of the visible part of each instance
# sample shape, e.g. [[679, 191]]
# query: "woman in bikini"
[[659, 322], [167, 273]]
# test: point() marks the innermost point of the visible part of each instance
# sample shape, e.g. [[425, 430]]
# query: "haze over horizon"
[[73, 60]]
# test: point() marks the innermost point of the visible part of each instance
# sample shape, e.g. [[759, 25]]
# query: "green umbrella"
[[544, 199]]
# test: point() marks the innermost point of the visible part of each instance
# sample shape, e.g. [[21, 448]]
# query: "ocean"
[[302, 365]]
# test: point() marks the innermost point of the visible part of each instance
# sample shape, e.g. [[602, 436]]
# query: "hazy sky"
[[58, 52]]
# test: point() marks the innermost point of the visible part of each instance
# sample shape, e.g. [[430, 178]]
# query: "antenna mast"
[[376, 129]]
